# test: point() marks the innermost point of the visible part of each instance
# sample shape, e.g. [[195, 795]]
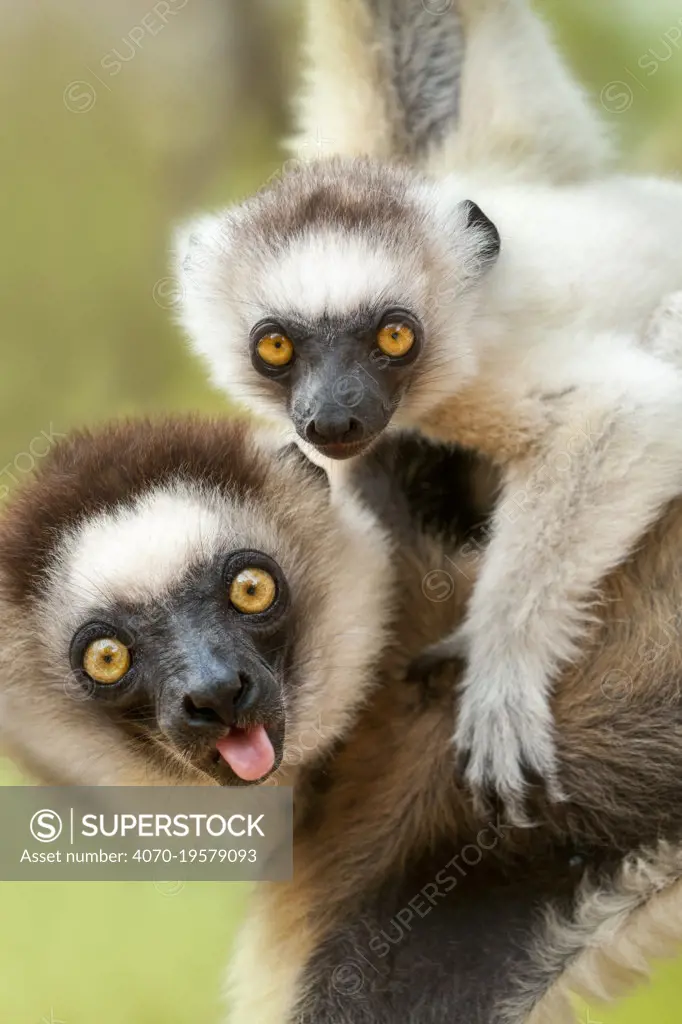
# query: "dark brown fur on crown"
[[90, 472], [357, 195]]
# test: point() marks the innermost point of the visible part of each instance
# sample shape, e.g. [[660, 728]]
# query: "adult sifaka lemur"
[[167, 577]]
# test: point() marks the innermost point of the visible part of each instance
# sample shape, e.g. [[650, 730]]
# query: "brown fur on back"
[[619, 722], [391, 791]]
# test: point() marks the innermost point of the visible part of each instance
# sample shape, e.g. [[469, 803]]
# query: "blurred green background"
[[117, 119]]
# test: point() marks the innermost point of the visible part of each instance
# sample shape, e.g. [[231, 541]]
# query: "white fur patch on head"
[[136, 552], [331, 273]]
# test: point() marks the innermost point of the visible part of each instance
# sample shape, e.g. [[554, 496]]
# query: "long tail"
[[446, 85]]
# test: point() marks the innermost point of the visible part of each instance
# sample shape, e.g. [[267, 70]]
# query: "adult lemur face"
[[170, 586], [197, 650], [324, 298]]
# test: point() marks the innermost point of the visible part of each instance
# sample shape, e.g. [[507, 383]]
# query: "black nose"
[[216, 701], [333, 426]]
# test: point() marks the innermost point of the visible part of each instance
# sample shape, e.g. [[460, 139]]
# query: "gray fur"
[[424, 49]]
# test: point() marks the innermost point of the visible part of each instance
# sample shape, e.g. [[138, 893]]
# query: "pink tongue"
[[250, 754]]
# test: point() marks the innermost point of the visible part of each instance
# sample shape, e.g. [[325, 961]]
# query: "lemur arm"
[[569, 513], [466, 85]]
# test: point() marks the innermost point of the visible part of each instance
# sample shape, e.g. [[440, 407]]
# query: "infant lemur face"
[[343, 377], [327, 298], [164, 581]]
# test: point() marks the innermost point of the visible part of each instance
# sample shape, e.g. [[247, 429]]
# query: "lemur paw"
[[504, 741], [454, 647]]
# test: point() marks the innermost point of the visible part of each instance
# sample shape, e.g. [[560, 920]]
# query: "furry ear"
[[469, 237], [485, 237]]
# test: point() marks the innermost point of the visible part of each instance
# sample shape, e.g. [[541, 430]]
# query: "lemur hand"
[[504, 734]]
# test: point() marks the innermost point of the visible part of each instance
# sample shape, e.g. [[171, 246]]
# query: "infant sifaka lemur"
[[349, 295], [455, 88]]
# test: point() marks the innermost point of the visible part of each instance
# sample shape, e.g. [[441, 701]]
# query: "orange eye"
[[253, 591], [395, 339], [106, 661], [275, 349]]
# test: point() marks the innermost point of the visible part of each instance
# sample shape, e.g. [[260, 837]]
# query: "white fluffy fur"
[[611, 459], [665, 331], [137, 552], [343, 101], [587, 421], [521, 114], [295, 281]]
